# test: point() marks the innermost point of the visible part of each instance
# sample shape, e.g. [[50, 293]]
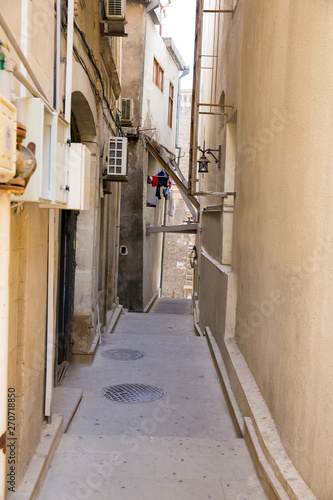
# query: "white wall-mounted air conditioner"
[[60, 186], [7, 140], [115, 10], [51, 134], [41, 124], [127, 112], [79, 177], [116, 157]]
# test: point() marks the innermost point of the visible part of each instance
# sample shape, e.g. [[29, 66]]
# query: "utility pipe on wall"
[[17, 48], [24, 40], [57, 61], [195, 97], [50, 331], [69, 60], [23, 80], [185, 73], [4, 331]]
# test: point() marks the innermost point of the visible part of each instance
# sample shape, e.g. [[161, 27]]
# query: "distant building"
[[177, 271], [150, 73]]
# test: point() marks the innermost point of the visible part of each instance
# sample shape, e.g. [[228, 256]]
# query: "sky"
[[179, 24]]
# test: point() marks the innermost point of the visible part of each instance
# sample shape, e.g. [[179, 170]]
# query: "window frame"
[[170, 103], [158, 75]]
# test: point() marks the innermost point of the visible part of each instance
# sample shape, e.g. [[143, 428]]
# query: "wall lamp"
[[203, 160]]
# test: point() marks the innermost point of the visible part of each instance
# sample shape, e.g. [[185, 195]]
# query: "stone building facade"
[[150, 72], [265, 254], [177, 271], [63, 259]]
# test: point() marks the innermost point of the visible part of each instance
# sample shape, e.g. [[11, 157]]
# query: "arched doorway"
[[82, 125]]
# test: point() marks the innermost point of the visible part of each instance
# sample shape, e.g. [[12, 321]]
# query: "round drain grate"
[[133, 393], [123, 354]]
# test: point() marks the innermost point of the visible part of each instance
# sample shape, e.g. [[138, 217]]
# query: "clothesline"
[[162, 179]]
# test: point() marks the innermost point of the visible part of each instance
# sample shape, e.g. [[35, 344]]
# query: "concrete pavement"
[[181, 446]]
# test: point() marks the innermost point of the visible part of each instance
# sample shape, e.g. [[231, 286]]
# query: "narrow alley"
[[180, 446]]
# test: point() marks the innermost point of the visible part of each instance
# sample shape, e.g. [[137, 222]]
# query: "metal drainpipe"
[[185, 73], [195, 96], [56, 100], [4, 332], [143, 72], [50, 332], [18, 50], [163, 244], [69, 59]]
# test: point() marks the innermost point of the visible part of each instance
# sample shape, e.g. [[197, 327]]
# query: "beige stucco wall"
[[28, 255], [28, 292], [29, 222], [275, 66]]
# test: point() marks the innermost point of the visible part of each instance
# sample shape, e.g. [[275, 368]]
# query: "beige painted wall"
[[275, 66], [29, 223], [28, 291], [28, 257]]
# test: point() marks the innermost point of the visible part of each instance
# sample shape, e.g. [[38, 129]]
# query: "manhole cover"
[[133, 393], [123, 354]]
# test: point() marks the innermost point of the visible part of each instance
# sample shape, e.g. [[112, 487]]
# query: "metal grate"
[[114, 8], [133, 393], [123, 354]]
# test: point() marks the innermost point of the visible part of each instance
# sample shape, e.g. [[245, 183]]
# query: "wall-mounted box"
[[127, 112], [116, 158], [60, 181], [7, 140], [51, 135], [79, 177], [41, 126]]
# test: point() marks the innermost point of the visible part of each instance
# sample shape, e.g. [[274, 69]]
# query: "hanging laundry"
[[155, 181], [171, 203], [163, 181]]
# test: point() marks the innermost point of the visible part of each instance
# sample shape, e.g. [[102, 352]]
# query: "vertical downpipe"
[[24, 40], [143, 74], [4, 331], [163, 247], [69, 60], [57, 61], [50, 340], [195, 97]]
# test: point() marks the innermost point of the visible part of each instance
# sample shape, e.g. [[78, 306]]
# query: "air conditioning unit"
[[79, 177], [7, 140], [115, 10], [116, 158], [41, 125], [127, 112], [51, 134]]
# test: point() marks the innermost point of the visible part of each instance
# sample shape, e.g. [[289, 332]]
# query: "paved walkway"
[[180, 447]]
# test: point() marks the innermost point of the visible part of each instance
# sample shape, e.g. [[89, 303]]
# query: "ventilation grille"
[[127, 111], [117, 156], [115, 8]]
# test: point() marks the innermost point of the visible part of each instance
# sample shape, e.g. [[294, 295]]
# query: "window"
[[170, 109], [158, 75]]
